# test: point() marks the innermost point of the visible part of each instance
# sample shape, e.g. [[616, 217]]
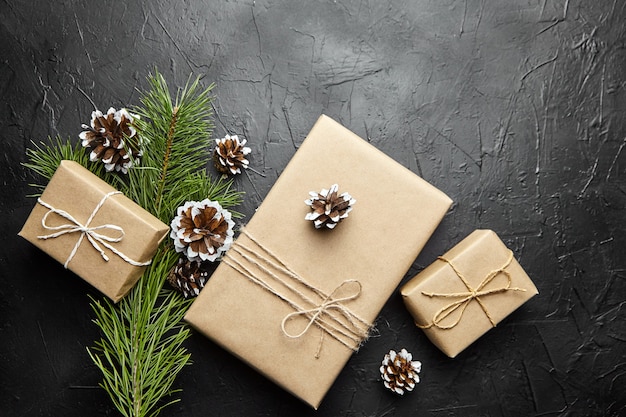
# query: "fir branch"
[[141, 350], [177, 135], [198, 186], [44, 159], [166, 157]]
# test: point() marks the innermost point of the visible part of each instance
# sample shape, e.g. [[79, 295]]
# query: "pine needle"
[[44, 159]]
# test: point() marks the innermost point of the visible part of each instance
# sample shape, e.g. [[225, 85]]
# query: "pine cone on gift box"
[[328, 208], [202, 230], [110, 138], [399, 371], [229, 155], [189, 277]]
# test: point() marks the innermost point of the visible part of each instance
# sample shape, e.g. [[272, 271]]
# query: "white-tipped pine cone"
[[111, 137], [202, 230], [189, 277], [229, 155], [328, 208], [400, 372]]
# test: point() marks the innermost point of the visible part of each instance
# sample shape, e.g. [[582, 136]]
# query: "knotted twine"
[[327, 313], [91, 232], [465, 298]]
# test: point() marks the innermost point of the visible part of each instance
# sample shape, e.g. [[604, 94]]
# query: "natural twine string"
[[344, 326], [465, 298], [92, 233]]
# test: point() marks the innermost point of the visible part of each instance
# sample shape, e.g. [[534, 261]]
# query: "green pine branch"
[[141, 349], [148, 322], [175, 131], [44, 159]]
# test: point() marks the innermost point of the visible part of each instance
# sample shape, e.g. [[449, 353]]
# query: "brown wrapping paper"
[[477, 258], [78, 192], [370, 251]]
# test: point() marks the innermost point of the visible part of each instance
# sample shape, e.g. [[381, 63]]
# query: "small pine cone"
[[202, 230], [400, 372], [189, 277], [328, 208], [110, 138], [229, 155]]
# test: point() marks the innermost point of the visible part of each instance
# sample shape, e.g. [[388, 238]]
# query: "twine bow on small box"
[[94, 234], [463, 299]]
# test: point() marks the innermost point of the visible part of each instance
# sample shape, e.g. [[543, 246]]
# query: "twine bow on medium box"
[[93, 233], [463, 299], [328, 312]]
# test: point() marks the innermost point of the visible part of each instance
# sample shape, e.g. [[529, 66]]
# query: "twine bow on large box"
[[328, 312]]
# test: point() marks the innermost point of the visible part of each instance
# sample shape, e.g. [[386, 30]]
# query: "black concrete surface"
[[514, 108]]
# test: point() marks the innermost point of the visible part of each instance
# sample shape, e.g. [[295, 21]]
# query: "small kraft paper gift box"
[[467, 291], [94, 230], [295, 302]]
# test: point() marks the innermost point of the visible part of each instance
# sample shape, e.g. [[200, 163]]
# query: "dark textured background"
[[514, 108]]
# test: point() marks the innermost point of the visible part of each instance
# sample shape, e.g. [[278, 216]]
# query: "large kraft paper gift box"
[[78, 215], [467, 291], [294, 302]]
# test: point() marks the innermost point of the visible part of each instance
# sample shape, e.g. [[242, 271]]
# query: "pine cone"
[[328, 208], [400, 372], [189, 277], [202, 230], [229, 155], [110, 138]]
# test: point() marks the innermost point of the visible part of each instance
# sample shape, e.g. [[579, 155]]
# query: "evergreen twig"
[[166, 157], [141, 349], [44, 159]]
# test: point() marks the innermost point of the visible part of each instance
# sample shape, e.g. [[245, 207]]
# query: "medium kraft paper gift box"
[[294, 302], [467, 291], [127, 235]]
